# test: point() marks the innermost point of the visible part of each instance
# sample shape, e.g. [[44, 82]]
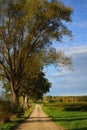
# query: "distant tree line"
[[72, 99]]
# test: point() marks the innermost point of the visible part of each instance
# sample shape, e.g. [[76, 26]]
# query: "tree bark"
[[25, 102], [15, 98]]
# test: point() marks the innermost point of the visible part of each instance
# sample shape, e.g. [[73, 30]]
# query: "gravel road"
[[38, 121]]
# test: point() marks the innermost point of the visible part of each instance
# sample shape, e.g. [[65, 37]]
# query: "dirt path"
[[38, 121]]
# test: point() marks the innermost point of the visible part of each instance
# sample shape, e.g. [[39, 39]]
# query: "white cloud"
[[78, 49], [71, 50]]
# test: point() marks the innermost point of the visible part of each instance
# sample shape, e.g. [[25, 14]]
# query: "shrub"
[[17, 110], [4, 111], [8, 109]]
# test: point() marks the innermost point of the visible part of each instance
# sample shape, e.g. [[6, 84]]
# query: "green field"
[[72, 116]]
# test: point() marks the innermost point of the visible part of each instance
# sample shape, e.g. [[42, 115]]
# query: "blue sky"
[[72, 82]]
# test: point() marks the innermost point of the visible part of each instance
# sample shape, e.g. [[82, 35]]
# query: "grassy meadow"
[[71, 116]]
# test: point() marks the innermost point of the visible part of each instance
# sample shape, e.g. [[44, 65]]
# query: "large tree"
[[27, 28]]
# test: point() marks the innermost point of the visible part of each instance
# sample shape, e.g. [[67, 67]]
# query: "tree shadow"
[[78, 129], [33, 120], [68, 119], [38, 119]]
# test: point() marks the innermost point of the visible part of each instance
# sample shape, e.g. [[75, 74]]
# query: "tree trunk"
[[15, 98], [25, 102]]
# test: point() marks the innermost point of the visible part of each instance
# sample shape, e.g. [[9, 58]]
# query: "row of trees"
[[27, 29], [72, 99]]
